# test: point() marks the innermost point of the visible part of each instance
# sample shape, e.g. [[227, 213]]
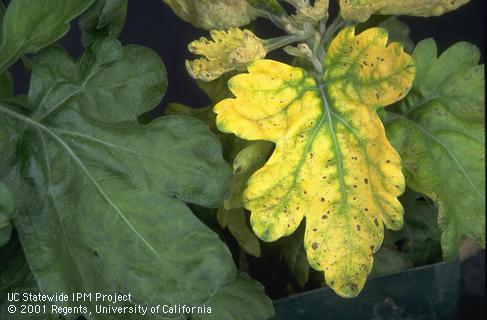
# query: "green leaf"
[[246, 163], [419, 239], [235, 220], [15, 277], [105, 18], [6, 85], [388, 261], [204, 114], [244, 299], [9, 136], [104, 196], [440, 135], [216, 90], [30, 25], [361, 10], [6, 210], [417, 243], [130, 78], [398, 32], [332, 163], [294, 256], [231, 144], [213, 14], [231, 215]]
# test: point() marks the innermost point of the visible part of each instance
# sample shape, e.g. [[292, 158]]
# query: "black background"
[[152, 24]]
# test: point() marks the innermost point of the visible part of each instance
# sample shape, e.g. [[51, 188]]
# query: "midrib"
[[85, 170]]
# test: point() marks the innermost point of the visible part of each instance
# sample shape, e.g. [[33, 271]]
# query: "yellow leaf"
[[332, 163], [361, 10], [229, 50], [213, 14]]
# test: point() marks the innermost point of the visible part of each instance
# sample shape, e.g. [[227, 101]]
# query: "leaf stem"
[[279, 42]]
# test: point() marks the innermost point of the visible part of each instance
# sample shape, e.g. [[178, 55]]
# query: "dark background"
[[152, 24]]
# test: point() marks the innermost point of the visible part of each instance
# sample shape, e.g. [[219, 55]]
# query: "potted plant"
[[357, 155]]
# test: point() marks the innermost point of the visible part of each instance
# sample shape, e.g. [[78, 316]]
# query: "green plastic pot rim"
[[419, 268]]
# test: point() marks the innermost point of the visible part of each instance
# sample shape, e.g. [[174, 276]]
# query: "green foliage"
[[105, 18], [227, 304], [417, 243], [440, 134], [102, 199], [15, 276], [29, 26], [294, 256], [6, 210], [94, 200]]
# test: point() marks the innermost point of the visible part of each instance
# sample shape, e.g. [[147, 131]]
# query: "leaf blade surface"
[[332, 163]]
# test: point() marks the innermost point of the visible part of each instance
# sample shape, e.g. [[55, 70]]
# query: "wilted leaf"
[[213, 14], [6, 210], [361, 10], [227, 51], [440, 136], [332, 163], [105, 18], [30, 25]]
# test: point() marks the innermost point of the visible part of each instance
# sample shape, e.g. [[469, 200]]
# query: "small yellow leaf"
[[361, 10], [332, 163], [227, 51]]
